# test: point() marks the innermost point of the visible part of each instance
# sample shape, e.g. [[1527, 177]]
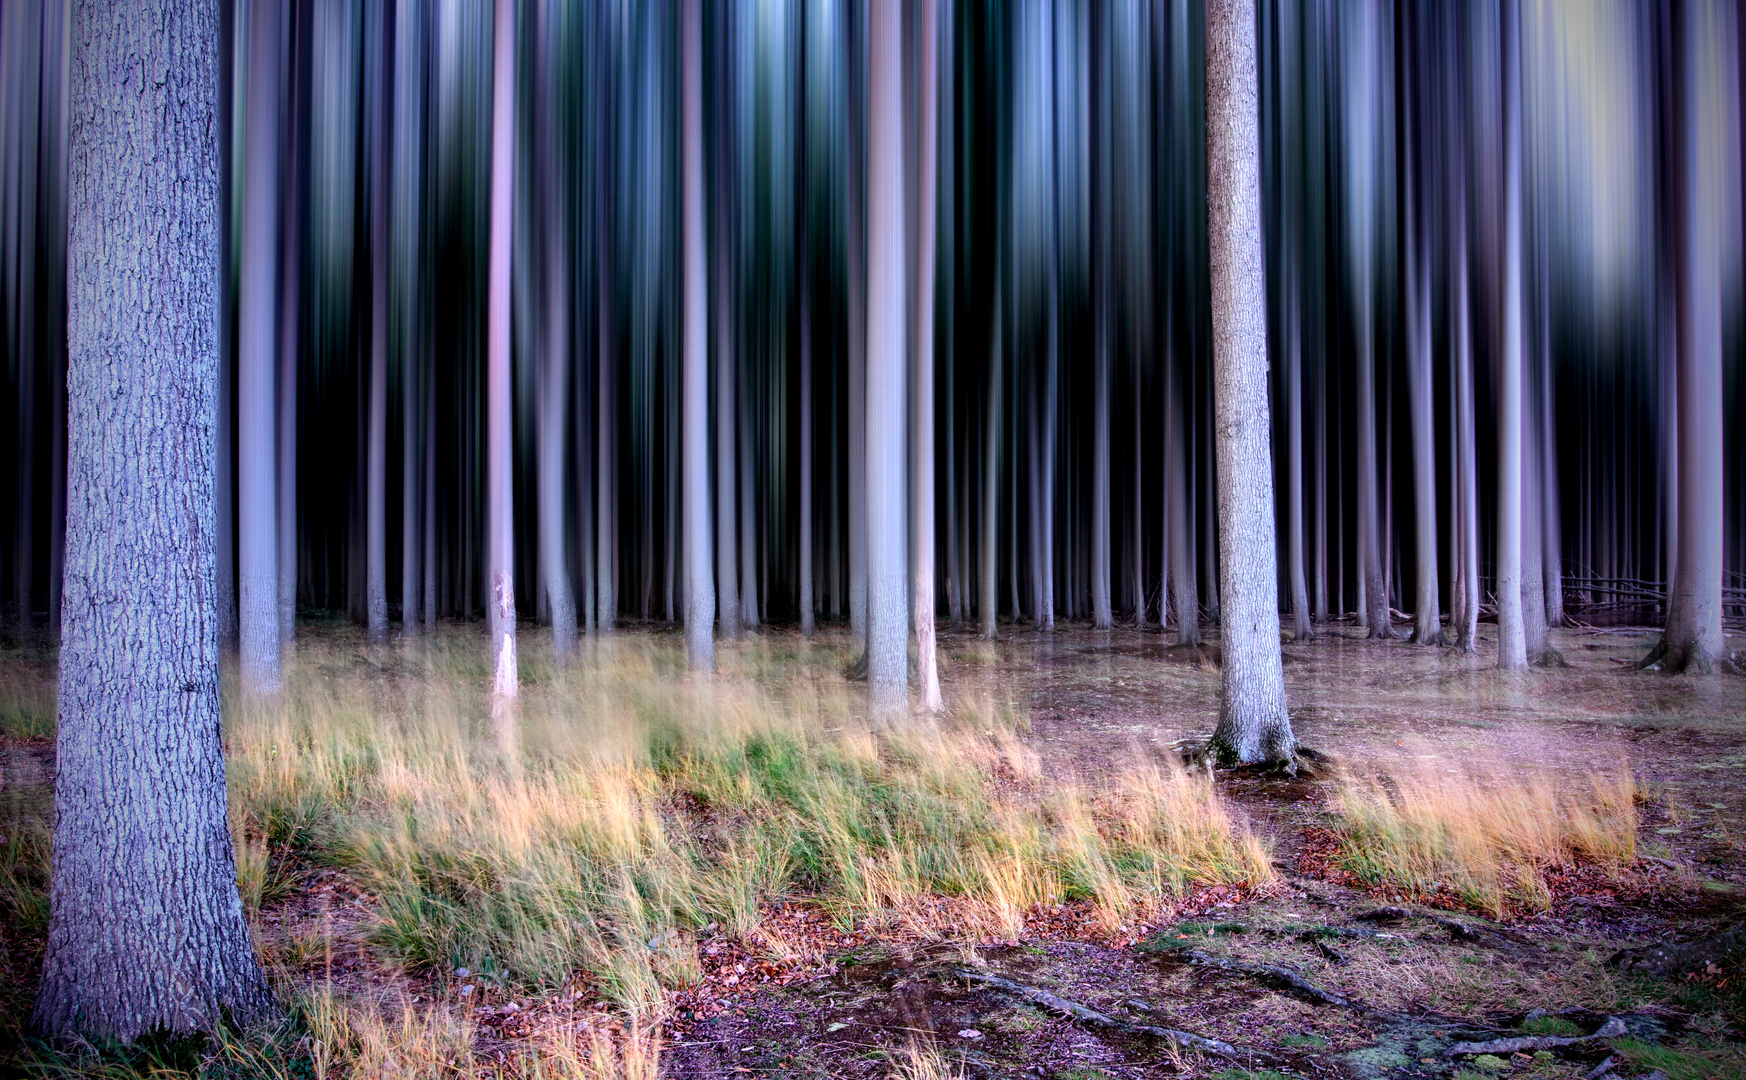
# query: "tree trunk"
[[146, 928], [1512, 645], [1101, 616], [1178, 528], [499, 452], [927, 35], [807, 598], [1427, 616], [409, 147], [553, 413], [1692, 639], [257, 370], [726, 341], [856, 273], [699, 558], [376, 426], [887, 606], [1253, 725], [989, 599]]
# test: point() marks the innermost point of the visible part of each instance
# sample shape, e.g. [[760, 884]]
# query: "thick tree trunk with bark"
[[1253, 724], [499, 464], [257, 370], [146, 929], [887, 605]]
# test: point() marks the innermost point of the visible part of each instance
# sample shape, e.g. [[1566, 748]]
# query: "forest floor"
[[1323, 965]]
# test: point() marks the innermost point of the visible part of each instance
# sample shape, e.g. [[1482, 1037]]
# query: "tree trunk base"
[[1688, 660]]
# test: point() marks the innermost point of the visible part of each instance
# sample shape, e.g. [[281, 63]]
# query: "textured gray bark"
[[922, 349], [1253, 724], [887, 600], [499, 477], [1512, 646], [257, 371], [146, 928], [699, 562]]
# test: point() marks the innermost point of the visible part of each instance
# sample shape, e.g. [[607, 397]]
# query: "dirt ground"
[[1308, 977], [1413, 985]]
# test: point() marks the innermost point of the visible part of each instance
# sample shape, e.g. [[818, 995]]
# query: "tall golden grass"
[[629, 805], [1485, 834]]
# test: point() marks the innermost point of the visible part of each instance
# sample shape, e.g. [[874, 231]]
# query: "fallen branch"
[[1612, 1029], [1273, 973], [1454, 926], [1038, 996], [1603, 1068]]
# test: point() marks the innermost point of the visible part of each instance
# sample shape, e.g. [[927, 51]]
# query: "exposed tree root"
[[1614, 1028], [1185, 1040], [1390, 913], [1688, 660], [1282, 977], [1664, 960]]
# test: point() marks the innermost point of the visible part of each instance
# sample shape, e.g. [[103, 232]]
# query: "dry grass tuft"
[[1484, 836], [627, 805]]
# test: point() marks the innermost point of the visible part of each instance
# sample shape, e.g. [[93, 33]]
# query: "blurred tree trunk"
[[699, 562], [1702, 76], [989, 599], [499, 451], [146, 928], [380, 103], [257, 369], [1512, 652], [887, 605], [855, 164], [927, 37]]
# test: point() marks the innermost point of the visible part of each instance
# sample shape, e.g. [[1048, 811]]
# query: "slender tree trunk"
[[499, 474], [1427, 616], [257, 371], [699, 561], [1512, 646], [989, 600], [1102, 617], [1300, 613], [726, 340], [922, 349], [291, 329], [807, 598], [376, 468], [1185, 592], [409, 146], [1253, 724], [887, 607], [606, 427], [858, 329], [146, 928], [553, 413]]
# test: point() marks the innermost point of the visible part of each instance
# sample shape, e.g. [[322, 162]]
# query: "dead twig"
[[1612, 1029], [1282, 977], [1038, 996]]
